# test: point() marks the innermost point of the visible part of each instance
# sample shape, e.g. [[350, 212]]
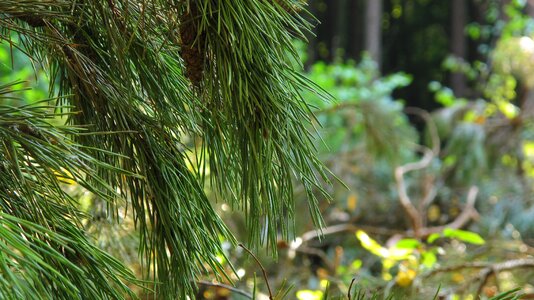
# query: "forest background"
[[431, 136]]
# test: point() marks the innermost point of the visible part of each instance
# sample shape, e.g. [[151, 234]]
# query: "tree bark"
[[530, 8], [355, 29], [458, 44], [373, 30]]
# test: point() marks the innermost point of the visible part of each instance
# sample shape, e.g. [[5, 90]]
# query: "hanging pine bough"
[[254, 128], [45, 253], [137, 75]]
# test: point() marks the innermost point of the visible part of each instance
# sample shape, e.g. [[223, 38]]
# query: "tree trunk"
[[530, 8], [373, 30], [355, 29], [458, 45]]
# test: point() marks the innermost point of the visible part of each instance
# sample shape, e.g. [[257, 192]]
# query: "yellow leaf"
[[399, 253], [528, 148], [405, 277], [352, 201], [371, 245], [458, 277], [508, 109], [309, 295]]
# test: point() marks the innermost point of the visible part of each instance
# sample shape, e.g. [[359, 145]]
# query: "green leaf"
[[408, 244], [433, 237], [464, 236], [429, 259]]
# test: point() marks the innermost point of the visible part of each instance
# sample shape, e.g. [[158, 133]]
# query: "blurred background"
[[430, 40], [431, 136]]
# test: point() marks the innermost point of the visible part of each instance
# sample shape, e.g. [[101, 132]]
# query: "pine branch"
[[45, 253], [228, 78]]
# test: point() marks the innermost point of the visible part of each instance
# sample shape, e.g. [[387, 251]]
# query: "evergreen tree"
[[130, 79]]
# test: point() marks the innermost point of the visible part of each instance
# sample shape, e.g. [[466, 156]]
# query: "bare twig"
[[225, 286], [412, 212], [484, 276], [468, 213], [495, 269], [346, 227], [474, 265], [350, 288], [487, 269], [262, 269], [435, 148]]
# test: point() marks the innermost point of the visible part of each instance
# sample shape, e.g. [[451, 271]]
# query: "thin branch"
[[487, 270], [262, 269], [468, 213], [225, 286], [473, 265], [350, 288], [347, 227], [435, 148], [495, 269], [484, 276], [411, 211]]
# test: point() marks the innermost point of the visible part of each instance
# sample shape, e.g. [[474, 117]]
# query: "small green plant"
[[411, 256]]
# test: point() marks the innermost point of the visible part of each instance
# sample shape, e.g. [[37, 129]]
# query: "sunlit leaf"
[[405, 277], [371, 245], [408, 244], [433, 237], [352, 201], [356, 264], [464, 236], [428, 259], [309, 295]]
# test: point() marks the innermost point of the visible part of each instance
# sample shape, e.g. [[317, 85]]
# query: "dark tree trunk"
[[373, 30], [340, 43], [355, 29], [458, 44], [530, 8]]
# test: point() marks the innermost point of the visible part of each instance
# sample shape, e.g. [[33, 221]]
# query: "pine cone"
[[32, 20], [192, 50]]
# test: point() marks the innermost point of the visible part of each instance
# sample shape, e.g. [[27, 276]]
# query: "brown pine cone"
[[192, 50]]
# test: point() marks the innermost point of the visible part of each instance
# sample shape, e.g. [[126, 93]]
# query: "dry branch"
[[262, 270], [410, 210]]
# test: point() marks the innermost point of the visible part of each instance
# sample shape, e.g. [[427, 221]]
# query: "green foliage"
[[362, 100], [130, 80], [464, 236], [45, 251], [15, 66]]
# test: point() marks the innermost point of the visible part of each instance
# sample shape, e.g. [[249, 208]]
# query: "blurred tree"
[[130, 80], [373, 30], [417, 37], [458, 44]]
